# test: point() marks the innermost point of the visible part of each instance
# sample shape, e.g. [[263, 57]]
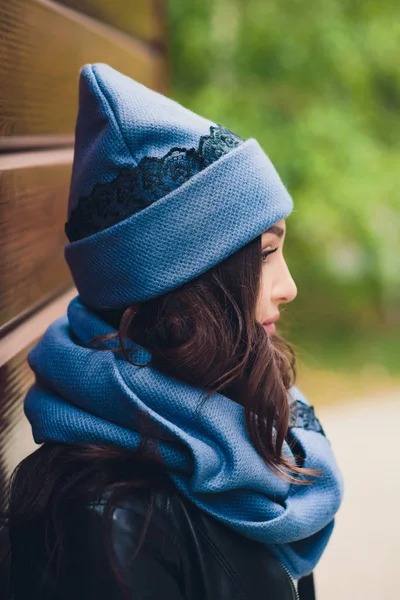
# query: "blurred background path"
[[362, 561]]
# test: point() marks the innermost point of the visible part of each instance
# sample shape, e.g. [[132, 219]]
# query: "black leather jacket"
[[186, 555]]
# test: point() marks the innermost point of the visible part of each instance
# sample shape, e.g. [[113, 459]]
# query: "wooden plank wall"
[[43, 44]]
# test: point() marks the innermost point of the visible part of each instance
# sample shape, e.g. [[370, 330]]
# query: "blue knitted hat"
[[158, 195]]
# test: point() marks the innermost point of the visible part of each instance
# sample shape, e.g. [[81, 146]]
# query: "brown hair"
[[203, 333]]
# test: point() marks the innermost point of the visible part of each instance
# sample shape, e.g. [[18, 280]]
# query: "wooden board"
[[15, 431], [16, 440], [43, 45], [143, 19], [33, 209], [34, 326]]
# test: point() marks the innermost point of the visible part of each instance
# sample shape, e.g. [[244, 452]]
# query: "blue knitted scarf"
[[84, 395]]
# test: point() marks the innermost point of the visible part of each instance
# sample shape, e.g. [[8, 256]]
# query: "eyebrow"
[[278, 231]]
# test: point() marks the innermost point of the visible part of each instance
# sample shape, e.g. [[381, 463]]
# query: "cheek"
[[264, 298]]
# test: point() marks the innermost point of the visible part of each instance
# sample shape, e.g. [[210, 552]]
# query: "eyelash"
[[267, 253]]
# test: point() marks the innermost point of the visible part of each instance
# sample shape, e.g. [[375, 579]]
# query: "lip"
[[272, 319], [269, 325]]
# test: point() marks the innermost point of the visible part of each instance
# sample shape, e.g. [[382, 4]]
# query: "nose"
[[285, 289]]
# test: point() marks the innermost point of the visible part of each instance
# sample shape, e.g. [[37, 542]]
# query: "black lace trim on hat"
[[302, 415], [134, 189]]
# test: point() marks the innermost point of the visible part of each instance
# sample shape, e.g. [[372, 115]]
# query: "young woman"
[[178, 459]]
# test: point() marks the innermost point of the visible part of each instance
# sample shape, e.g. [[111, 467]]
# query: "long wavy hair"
[[204, 333]]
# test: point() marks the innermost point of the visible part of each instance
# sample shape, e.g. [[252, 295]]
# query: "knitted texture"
[[82, 395], [186, 232]]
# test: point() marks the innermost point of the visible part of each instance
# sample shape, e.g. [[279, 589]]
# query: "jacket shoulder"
[[185, 547], [145, 547], [186, 554]]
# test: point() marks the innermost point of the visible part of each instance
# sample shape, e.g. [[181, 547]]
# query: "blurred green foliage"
[[318, 84]]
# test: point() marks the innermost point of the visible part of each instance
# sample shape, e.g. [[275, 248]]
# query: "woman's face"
[[277, 285]]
